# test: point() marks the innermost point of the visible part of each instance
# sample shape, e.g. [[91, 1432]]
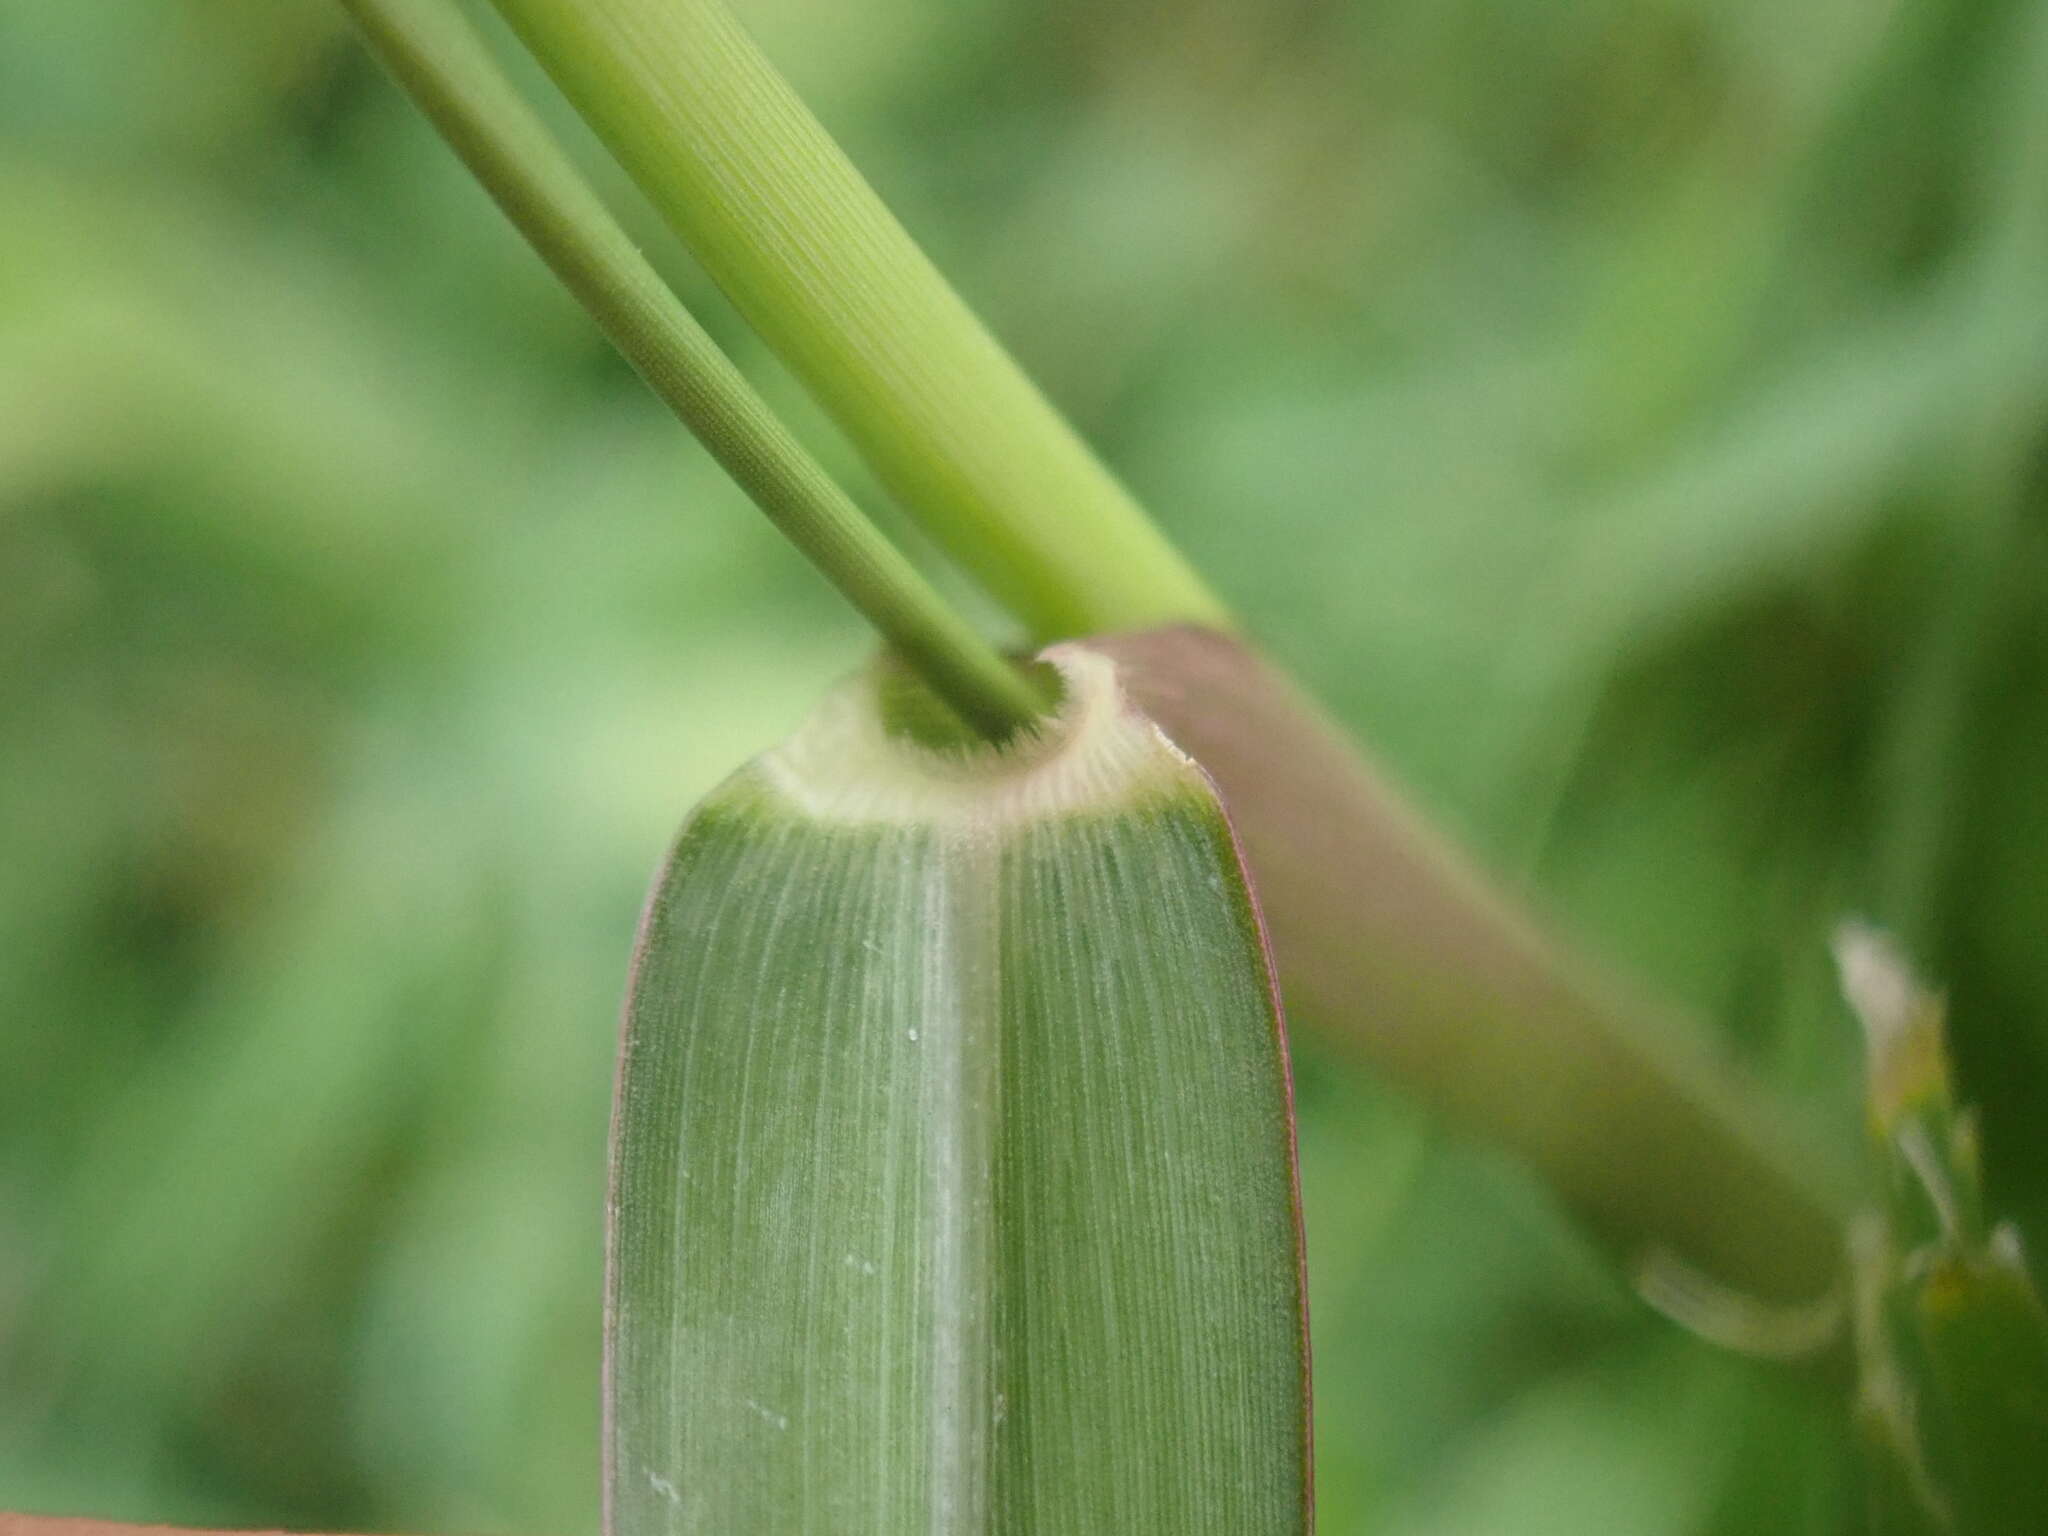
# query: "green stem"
[[780, 217], [449, 71]]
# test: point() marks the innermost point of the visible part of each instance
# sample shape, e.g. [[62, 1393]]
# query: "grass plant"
[[1627, 424]]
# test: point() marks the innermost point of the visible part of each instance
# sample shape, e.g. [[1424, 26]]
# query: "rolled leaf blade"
[[953, 1161]]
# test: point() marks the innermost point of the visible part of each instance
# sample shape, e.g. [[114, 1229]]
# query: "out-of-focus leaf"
[[1986, 1338], [953, 1162], [1952, 1337]]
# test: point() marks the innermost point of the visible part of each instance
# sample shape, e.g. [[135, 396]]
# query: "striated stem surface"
[[808, 253]]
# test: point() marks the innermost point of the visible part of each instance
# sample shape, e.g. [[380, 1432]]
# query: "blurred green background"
[[1631, 415]]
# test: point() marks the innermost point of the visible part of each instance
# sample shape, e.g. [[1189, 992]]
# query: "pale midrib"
[[959, 1017]]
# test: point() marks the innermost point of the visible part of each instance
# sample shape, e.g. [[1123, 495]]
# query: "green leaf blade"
[[954, 1169], [1094, 1137]]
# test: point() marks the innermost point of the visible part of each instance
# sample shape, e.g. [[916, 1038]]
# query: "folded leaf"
[[953, 1158]]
